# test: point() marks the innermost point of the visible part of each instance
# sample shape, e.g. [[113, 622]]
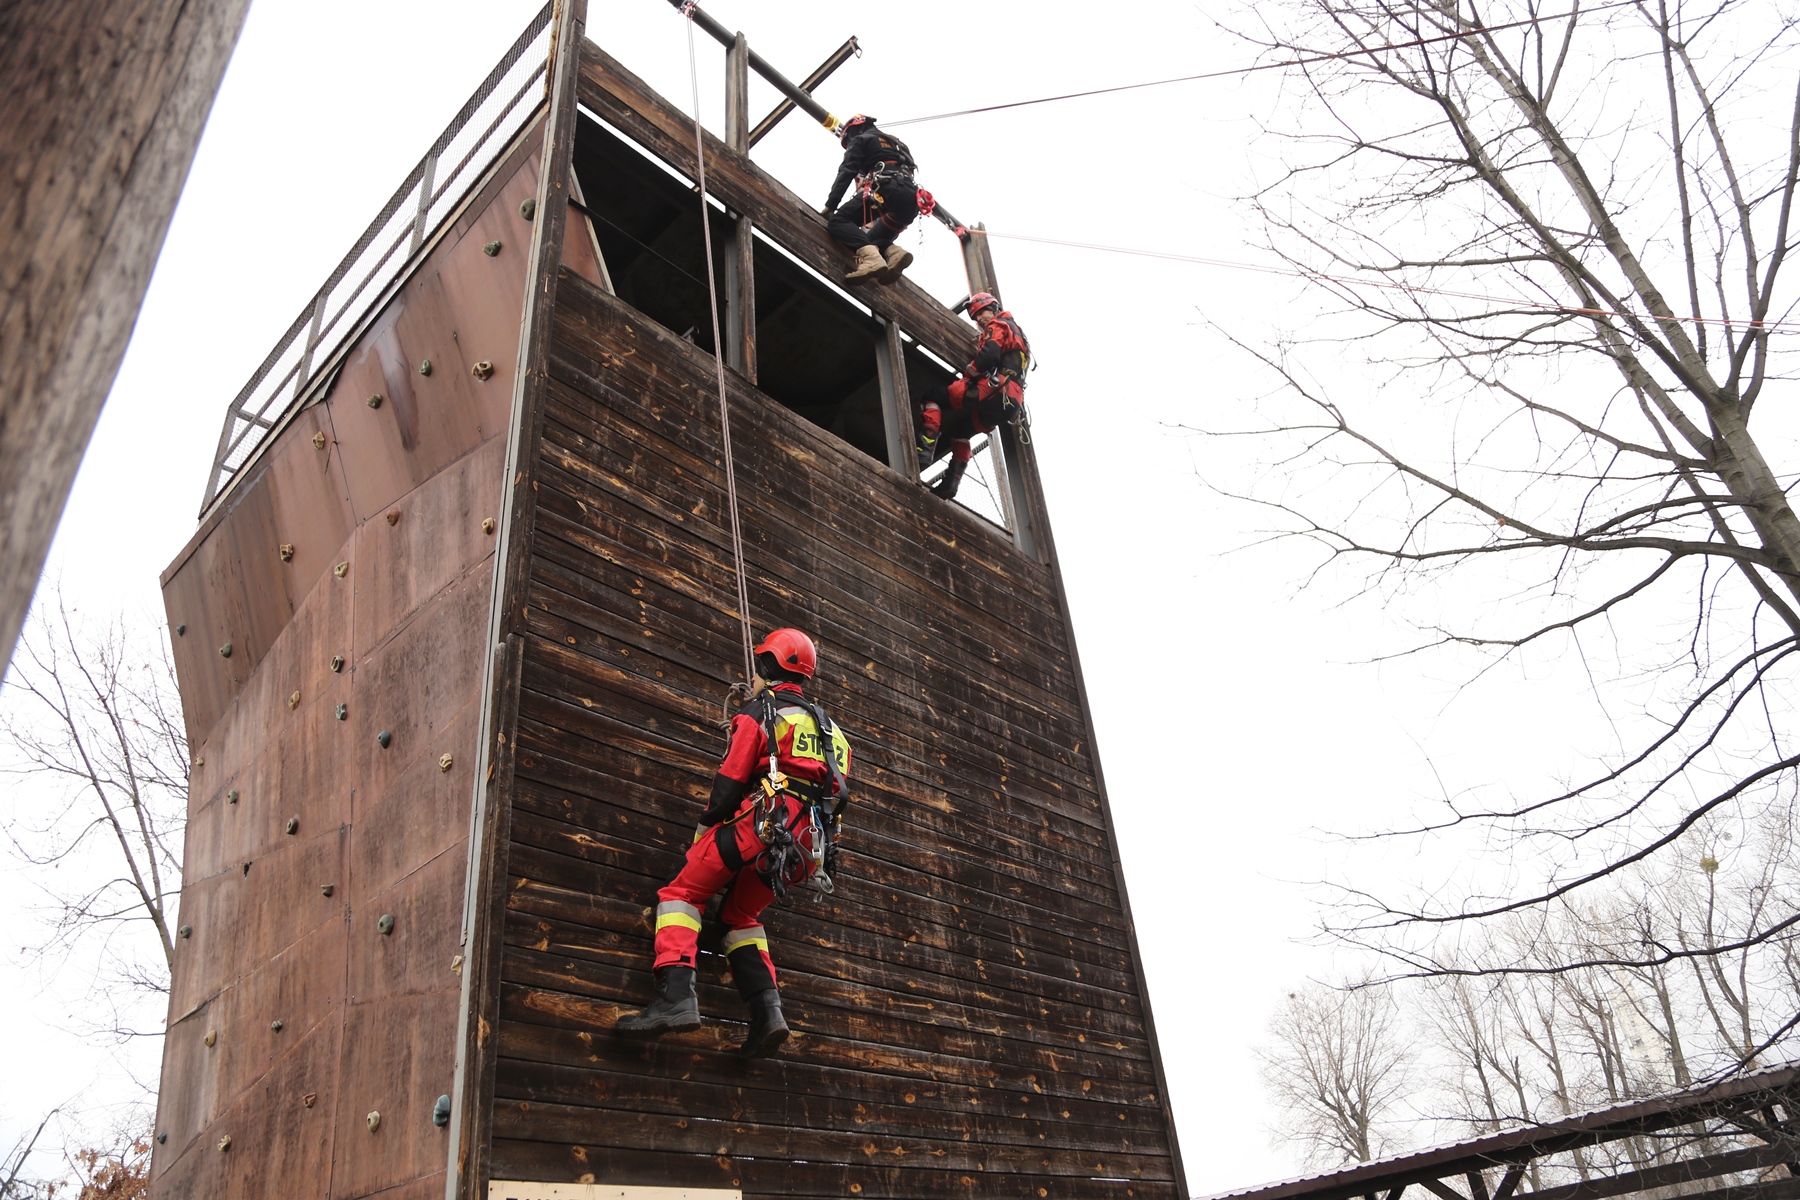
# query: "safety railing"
[[503, 105]]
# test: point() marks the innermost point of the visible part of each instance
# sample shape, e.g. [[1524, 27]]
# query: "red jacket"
[[800, 752], [1001, 347]]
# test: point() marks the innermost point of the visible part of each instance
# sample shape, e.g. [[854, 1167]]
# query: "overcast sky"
[[1235, 723]]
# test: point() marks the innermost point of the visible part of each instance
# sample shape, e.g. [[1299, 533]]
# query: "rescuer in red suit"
[[992, 389], [769, 826]]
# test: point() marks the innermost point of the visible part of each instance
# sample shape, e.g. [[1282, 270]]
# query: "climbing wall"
[[339, 592], [967, 1014], [452, 649]]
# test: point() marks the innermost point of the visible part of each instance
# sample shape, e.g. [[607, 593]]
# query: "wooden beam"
[[1441, 1190], [105, 104], [484, 903], [896, 402], [629, 105], [739, 318]]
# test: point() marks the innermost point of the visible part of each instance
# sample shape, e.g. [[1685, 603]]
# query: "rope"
[[1304, 60], [1387, 285], [712, 288]]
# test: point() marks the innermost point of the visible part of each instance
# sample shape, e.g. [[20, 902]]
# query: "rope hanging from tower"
[[712, 289]]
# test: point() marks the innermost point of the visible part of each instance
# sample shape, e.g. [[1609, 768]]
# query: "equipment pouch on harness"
[[811, 858]]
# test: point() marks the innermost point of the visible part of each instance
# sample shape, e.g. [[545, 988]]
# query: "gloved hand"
[[828, 212], [700, 832]]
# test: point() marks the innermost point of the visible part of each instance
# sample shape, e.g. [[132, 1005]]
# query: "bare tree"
[[1338, 1066], [1564, 233], [98, 747]]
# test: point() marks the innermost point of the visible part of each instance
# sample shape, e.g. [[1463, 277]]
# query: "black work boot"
[[945, 488], [927, 450], [767, 1029], [673, 1011]]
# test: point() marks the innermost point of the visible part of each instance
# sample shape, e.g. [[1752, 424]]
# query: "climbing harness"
[[795, 850], [712, 288]]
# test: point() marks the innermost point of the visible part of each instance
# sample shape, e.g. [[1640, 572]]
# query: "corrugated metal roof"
[[1531, 1141]]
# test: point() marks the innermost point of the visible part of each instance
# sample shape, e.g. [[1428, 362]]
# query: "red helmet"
[[792, 651], [980, 302], [853, 125]]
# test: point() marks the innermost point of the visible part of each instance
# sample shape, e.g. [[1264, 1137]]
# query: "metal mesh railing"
[[504, 104]]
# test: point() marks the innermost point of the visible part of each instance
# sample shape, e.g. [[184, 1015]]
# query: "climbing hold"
[[343, 712], [319, 440], [310, 1099], [326, 889], [383, 738], [456, 965], [180, 631], [293, 701], [337, 663], [199, 761], [225, 650], [487, 525], [482, 369], [211, 1039], [393, 517], [375, 400], [162, 1139], [374, 1120], [445, 763], [224, 1143], [293, 824], [425, 367], [385, 925], [491, 249], [440, 1112], [231, 796], [276, 1026], [341, 570], [528, 208], [185, 931], [287, 551]]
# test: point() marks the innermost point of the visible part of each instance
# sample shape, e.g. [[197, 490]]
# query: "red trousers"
[[976, 406], [705, 874]]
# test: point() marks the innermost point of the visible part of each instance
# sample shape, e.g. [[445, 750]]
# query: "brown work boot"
[[897, 261], [868, 262]]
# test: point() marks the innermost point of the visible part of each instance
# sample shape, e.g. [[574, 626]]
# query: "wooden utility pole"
[[104, 105]]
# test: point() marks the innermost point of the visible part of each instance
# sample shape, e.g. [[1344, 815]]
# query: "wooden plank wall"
[[967, 1008]]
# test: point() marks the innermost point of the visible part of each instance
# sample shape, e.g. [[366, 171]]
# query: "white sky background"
[[1233, 722]]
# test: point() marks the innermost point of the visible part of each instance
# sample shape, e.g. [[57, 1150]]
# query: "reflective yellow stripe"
[[676, 918], [737, 939]]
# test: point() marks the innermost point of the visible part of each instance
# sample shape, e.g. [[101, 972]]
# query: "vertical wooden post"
[[1025, 508], [490, 818], [739, 325], [896, 402]]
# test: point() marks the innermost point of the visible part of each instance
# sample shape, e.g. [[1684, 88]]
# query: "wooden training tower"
[[452, 640]]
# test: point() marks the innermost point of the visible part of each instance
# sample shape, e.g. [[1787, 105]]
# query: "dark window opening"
[[815, 353], [815, 350], [648, 227]]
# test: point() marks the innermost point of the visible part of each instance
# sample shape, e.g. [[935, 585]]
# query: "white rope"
[[712, 288]]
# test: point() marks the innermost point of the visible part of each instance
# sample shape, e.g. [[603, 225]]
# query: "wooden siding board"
[[779, 1176]]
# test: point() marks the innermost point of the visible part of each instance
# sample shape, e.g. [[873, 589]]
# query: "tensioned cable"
[[1386, 285], [1305, 60], [712, 288]]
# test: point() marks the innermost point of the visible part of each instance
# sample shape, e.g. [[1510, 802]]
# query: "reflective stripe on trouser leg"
[[747, 950], [677, 933]]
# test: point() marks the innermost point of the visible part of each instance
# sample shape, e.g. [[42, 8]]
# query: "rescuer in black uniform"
[[886, 200]]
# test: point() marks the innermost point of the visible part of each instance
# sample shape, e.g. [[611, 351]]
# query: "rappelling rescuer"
[[770, 825], [991, 390], [885, 201]]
